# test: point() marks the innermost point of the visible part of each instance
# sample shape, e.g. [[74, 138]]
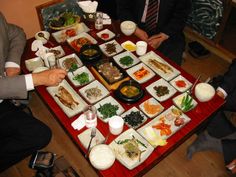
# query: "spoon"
[[40, 34], [93, 134]]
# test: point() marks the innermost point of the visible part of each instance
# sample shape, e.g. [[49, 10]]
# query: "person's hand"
[[220, 94], [141, 34], [49, 77], [156, 40], [232, 166], [12, 71]]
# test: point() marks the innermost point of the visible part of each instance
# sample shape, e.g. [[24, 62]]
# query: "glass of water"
[[90, 116]]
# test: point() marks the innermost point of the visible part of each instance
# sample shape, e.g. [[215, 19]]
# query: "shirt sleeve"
[[29, 82], [223, 91]]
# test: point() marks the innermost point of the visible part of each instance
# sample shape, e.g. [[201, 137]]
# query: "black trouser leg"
[[20, 135]]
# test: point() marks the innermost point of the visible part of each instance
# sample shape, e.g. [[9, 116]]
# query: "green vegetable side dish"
[[108, 110], [127, 140], [186, 103], [126, 61], [82, 78], [73, 67]]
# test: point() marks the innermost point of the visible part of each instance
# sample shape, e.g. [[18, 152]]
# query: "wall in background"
[[23, 14]]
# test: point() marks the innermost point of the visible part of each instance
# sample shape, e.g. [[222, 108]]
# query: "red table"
[[198, 115]]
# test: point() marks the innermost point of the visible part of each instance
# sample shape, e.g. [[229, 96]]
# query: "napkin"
[[106, 20], [79, 123], [37, 45], [88, 6]]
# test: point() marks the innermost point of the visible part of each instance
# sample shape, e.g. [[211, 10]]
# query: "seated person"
[[160, 23], [220, 134], [20, 134]]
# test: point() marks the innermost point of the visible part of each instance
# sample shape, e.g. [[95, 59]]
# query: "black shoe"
[[44, 173]]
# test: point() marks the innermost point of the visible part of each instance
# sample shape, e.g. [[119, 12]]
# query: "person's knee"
[[45, 137]]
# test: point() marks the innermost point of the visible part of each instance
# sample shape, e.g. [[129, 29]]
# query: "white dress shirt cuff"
[[10, 64], [223, 91], [29, 82]]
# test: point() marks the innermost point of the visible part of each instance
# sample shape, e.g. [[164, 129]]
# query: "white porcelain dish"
[[155, 62], [79, 103], [117, 59], [33, 63], [158, 108], [106, 32], [60, 50], [79, 71], [112, 101], [168, 118], [183, 86], [133, 73], [62, 36], [117, 50], [73, 55], [134, 109], [119, 149], [95, 85], [159, 83], [129, 46]]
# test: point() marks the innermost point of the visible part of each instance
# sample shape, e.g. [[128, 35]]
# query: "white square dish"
[[33, 63], [151, 107], [94, 92], [106, 34], [159, 66], [131, 136], [181, 83], [129, 46], [58, 51], [114, 45], [84, 138], [113, 102], [65, 62], [161, 90], [140, 73], [134, 116], [123, 57], [76, 104], [83, 75]]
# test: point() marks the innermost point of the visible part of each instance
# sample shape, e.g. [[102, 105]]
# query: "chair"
[[54, 8]]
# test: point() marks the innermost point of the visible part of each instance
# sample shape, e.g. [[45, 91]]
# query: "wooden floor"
[[203, 164]]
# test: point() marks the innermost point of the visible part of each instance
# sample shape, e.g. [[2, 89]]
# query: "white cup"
[[141, 48], [116, 124], [90, 116], [51, 60], [98, 20]]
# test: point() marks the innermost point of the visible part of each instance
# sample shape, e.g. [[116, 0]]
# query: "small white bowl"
[[43, 39], [102, 157], [204, 92], [127, 27]]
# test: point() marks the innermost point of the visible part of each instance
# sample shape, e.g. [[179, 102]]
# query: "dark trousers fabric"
[[173, 48], [219, 127], [20, 135]]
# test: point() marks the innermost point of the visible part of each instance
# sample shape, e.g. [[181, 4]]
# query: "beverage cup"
[[116, 124], [90, 116], [98, 20], [141, 48], [51, 60]]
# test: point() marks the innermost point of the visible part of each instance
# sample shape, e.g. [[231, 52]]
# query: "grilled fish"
[[163, 67], [66, 98]]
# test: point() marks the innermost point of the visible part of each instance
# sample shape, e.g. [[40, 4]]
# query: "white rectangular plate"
[[124, 54], [134, 109], [33, 63], [120, 150], [168, 74], [183, 88], [61, 36], [111, 100], [156, 106], [117, 50], [62, 60], [81, 70], [77, 108], [168, 117], [129, 46], [101, 90], [149, 73], [161, 82]]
